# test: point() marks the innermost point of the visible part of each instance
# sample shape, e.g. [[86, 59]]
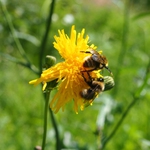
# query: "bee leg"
[[89, 70], [89, 76], [85, 52], [84, 77], [90, 79]]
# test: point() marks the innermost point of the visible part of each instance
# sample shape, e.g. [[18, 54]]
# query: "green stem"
[[47, 95], [45, 37], [17, 61], [56, 130], [119, 123], [136, 97]]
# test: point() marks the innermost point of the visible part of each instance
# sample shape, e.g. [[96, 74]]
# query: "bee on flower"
[[70, 73], [96, 86], [95, 61]]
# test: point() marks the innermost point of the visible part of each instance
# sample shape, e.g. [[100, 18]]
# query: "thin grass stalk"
[[16, 40], [45, 36], [136, 97]]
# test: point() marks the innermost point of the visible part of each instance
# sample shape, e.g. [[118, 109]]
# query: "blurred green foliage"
[[21, 105]]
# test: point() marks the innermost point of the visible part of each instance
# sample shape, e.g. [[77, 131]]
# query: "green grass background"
[[121, 29]]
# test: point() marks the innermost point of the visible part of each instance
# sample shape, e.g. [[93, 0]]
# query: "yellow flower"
[[68, 73]]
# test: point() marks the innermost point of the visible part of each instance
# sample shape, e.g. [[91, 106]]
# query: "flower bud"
[[109, 82], [49, 61]]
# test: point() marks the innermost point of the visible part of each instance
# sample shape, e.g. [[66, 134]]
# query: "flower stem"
[[45, 37], [47, 95], [56, 129]]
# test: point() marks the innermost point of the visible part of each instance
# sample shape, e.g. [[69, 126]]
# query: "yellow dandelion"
[[68, 73]]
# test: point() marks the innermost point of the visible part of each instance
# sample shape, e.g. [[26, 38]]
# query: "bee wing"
[[96, 58], [89, 102], [92, 94], [90, 98]]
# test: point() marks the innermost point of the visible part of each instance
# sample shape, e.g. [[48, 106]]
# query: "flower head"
[[68, 73]]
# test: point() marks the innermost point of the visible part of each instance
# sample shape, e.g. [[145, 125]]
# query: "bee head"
[[100, 79]]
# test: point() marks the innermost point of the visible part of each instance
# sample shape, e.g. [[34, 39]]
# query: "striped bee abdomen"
[[88, 62]]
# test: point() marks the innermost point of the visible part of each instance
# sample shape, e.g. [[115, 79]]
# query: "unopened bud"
[[109, 83], [49, 61]]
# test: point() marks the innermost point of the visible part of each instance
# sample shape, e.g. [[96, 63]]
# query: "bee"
[[95, 61], [96, 86]]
